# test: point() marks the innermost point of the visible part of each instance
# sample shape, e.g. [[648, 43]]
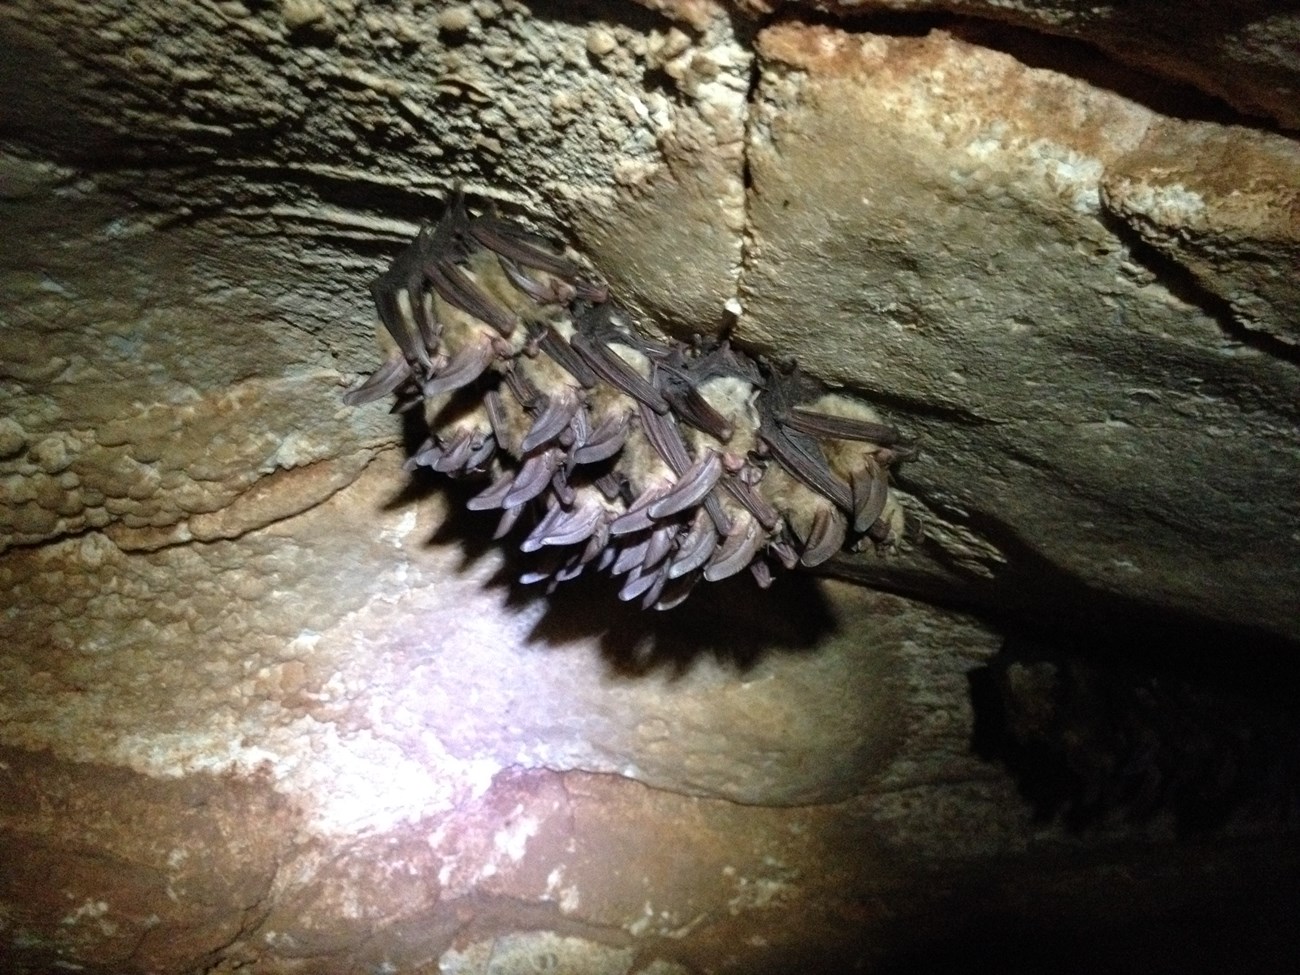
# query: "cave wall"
[[270, 703]]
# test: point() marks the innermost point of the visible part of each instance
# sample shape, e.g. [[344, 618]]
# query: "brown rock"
[[1245, 54], [927, 227], [1223, 203]]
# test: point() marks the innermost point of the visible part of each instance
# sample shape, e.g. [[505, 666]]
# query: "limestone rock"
[[380, 634], [1223, 203], [927, 228], [354, 120], [157, 403], [1246, 54]]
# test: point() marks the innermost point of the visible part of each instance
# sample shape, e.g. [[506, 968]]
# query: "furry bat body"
[[659, 462]]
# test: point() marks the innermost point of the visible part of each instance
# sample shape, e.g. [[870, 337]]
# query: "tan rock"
[[1244, 54], [927, 228], [1224, 203]]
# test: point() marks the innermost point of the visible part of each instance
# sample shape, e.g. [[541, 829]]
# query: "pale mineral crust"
[[1222, 203]]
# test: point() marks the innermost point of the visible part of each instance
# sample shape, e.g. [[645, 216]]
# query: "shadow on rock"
[[732, 622], [1129, 729]]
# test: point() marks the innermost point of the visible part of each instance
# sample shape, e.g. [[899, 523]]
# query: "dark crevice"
[[1240, 925], [580, 13], [249, 190], [1093, 735], [1183, 285], [1036, 46], [1038, 601], [1147, 710], [895, 23], [1093, 64], [1105, 709], [901, 404]]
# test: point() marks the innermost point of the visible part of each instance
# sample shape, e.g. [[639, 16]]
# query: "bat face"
[[659, 462]]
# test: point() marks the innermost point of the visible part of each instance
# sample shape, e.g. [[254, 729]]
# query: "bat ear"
[[692, 408]]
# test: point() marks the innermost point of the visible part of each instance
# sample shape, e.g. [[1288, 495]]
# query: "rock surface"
[[269, 704], [1246, 54], [975, 243]]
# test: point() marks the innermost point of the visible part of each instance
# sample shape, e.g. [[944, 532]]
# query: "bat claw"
[[480, 455], [784, 552]]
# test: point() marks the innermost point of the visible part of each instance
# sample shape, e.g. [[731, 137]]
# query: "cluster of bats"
[[655, 460]]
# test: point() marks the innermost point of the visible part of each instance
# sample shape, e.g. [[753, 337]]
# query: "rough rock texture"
[[946, 230], [1248, 54], [267, 704], [1223, 204], [330, 118]]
